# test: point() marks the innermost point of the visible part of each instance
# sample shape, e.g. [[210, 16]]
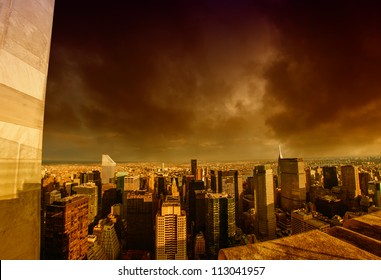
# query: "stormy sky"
[[213, 80]]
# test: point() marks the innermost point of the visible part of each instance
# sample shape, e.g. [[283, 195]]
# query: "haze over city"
[[215, 80]]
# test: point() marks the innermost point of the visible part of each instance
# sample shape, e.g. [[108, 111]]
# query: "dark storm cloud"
[[212, 79], [325, 82], [158, 79]]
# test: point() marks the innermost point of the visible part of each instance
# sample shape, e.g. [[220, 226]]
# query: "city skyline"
[[212, 80]]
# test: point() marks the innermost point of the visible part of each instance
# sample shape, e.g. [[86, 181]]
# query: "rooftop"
[[359, 239]]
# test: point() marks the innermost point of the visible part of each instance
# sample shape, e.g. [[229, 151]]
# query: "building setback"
[[90, 190], [107, 238], [66, 229], [171, 231]]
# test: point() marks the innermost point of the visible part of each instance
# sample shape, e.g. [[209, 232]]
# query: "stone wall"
[[25, 34]]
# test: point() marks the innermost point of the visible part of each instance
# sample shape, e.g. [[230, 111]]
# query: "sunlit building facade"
[[264, 200], [292, 180], [171, 231], [91, 191], [66, 229], [108, 169], [350, 183]]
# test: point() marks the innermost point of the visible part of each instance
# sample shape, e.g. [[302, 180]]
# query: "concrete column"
[[25, 34]]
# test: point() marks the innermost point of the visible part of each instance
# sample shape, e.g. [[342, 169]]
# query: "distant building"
[[350, 183], [199, 247], [110, 196], [364, 178], [66, 228], [194, 168], [91, 191], [330, 177], [230, 182], [374, 191], [171, 231], [302, 221], [330, 206], [106, 234], [220, 222], [160, 186], [131, 183], [96, 179], [200, 211], [264, 198], [139, 218], [95, 250], [108, 169], [292, 179], [193, 187]]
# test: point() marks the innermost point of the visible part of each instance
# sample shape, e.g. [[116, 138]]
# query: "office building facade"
[[66, 228], [139, 218], [350, 184], [91, 191], [220, 222], [330, 177], [171, 231], [108, 169], [292, 180], [264, 200]]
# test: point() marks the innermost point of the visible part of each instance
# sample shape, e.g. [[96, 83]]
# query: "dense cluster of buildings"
[[193, 213]]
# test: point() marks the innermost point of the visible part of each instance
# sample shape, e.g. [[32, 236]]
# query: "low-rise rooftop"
[[359, 239]]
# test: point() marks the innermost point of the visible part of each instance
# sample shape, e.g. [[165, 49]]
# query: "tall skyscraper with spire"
[[292, 180]]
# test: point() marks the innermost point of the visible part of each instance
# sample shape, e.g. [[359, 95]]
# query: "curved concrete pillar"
[[25, 34]]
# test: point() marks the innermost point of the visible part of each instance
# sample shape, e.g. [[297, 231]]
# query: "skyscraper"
[[171, 231], [25, 33], [139, 217], [330, 177], [200, 211], [230, 182], [364, 178], [91, 191], [194, 168], [66, 228], [107, 237], [131, 183], [108, 169], [191, 202], [350, 183], [264, 198], [220, 222], [292, 180]]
